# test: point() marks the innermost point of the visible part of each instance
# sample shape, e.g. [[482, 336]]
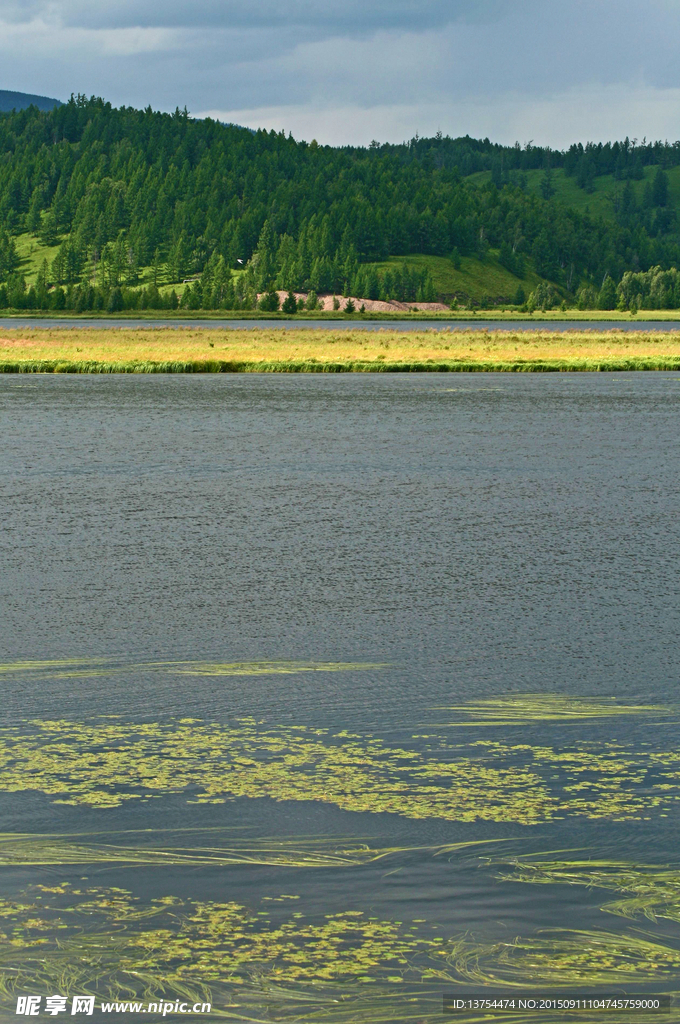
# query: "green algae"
[[517, 709], [82, 667], [561, 959], [272, 960], [106, 940], [105, 762], [649, 891], [116, 848], [266, 668]]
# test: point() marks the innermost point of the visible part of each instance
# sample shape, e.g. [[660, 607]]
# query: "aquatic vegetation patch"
[[105, 762], [266, 668], [561, 959], [520, 708], [106, 940], [75, 667], [117, 848], [649, 891], [430, 364]]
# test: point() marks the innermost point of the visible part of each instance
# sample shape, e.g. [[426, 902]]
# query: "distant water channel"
[[22, 323], [325, 696]]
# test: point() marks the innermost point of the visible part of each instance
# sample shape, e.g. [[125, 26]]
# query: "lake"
[[325, 696]]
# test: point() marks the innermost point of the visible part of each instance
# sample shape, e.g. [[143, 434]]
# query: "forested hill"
[[21, 100], [116, 190]]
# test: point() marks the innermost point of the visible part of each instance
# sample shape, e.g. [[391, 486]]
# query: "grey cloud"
[[228, 55], [328, 17]]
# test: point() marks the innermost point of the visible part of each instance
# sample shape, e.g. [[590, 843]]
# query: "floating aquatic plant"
[[561, 959], [107, 762], [649, 891], [83, 667], [518, 709], [279, 963], [116, 848], [108, 941], [104, 762]]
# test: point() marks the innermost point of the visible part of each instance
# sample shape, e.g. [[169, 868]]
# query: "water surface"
[[322, 695]]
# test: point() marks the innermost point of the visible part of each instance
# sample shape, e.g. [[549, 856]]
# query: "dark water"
[[258, 632], [478, 324]]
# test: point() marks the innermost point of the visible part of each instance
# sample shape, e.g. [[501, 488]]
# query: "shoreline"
[[465, 316], [313, 366]]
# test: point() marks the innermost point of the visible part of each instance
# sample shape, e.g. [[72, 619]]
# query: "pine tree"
[[289, 304], [266, 256], [607, 297], [660, 188], [156, 267]]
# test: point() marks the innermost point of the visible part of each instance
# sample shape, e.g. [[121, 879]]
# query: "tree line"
[[117, 190]]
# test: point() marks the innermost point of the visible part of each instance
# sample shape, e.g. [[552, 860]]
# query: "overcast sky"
[[348, 71]]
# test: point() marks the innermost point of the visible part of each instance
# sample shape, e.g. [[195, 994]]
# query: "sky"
[[350, 71]]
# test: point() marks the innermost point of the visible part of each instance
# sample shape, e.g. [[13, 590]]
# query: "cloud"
[[43, 38], [581, 114], [328, 17], [385, 68]]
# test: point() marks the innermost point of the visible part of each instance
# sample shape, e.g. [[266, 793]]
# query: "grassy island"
[[216, 350]]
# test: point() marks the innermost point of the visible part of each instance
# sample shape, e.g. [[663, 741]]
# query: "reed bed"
[[267, 350]]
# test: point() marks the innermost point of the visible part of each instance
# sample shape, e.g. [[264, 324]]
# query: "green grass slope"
[[476, 279], [32, 252], [599, 202]]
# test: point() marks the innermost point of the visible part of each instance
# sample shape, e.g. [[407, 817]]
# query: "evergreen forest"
[[111, 209]]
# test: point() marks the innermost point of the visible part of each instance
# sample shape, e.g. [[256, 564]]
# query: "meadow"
[[187, 349]]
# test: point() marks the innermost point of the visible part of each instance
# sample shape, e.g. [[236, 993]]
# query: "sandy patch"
[[370, 305]]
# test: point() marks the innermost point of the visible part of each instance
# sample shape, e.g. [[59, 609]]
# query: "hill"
[[21, 100], [112, 199]]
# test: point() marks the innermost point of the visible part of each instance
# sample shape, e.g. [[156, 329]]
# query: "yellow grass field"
[[188, 349]]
